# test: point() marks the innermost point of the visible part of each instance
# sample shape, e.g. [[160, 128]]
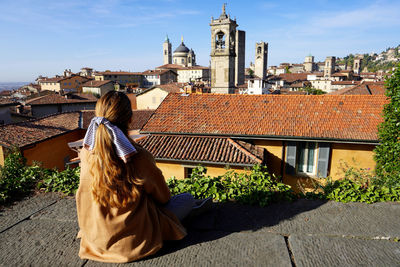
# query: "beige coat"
[[128, 233]]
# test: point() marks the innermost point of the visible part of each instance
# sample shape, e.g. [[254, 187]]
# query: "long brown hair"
[[114, 184]]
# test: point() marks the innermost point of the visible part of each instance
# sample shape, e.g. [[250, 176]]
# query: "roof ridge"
[[244, 150]]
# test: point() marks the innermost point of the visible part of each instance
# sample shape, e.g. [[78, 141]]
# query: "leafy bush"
[[66, 181], [16, 179], [256, 187], [358, 185], [387, 154]]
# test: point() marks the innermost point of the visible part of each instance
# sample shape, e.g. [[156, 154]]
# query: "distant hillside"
[[385, 60], [11, 85]]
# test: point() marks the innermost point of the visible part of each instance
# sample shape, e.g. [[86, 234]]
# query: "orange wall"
[[52, 152], [176, 169], [358, 156]]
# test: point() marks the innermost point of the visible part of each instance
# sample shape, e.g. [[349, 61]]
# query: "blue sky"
[[46, 37]]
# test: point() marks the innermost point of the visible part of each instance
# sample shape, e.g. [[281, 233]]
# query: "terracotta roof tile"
[[30, 132], [366, 88], [206, 149], [58, 99], [139, 118], [294, 77], [347, 117]]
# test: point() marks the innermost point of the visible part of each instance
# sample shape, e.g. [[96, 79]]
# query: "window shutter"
[[291, 157], [323, 159]]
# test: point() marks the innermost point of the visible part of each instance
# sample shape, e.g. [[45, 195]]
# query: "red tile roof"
[[29, 132], [347, 117], [58, 99], [170, 66], [366, 88], [293, 77], [202, 149], [139, 118]]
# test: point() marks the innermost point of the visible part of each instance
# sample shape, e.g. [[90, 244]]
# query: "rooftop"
[[197, 149], [345, 117], [365, 88], [58, 99], [29, 132]]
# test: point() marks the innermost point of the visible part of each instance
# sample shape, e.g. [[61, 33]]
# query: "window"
[[220, 40], [188, 171], [259, 50], [183, 61], [307, 158]]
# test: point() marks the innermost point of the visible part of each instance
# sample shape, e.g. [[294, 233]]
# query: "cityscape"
[[228, 113]]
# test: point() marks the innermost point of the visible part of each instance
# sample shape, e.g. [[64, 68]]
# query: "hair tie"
[[123, 146]]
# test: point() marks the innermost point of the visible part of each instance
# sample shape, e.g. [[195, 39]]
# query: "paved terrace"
[[41, 231]]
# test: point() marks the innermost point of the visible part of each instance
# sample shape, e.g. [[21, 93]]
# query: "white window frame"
[[305, 160]]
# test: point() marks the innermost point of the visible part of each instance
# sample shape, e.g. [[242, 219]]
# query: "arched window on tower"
[[165, 52], [259, 50], [220, 40]]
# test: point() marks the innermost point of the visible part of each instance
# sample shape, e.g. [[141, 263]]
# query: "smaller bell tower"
[[167, 53]]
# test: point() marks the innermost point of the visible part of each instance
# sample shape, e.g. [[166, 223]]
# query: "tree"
[[387, 153]]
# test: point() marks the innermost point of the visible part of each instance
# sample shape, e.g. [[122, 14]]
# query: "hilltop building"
[[182, 55], [227, 54]]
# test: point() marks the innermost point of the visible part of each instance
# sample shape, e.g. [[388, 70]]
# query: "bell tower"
[[167, 55], [261, 61], [223, 53]]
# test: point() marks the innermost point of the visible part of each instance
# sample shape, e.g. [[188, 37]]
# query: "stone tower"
[[357, 65], [309, 63], [261, 60], [240, 57], [167, 53], [329, 68], [223, 53]]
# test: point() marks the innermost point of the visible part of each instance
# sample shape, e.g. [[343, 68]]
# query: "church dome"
[[182, 49]]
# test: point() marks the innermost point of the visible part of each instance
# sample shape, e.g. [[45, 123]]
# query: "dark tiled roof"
[[58, 99], [139, 118], [366, 88], [349, 117], [198, 149], [30, 132]]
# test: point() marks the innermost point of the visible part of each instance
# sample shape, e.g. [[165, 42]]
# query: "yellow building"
[[151, 98], [305, 138], [121, 77], [68, 84]]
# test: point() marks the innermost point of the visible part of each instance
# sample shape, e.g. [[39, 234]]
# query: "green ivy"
[[256, 188], [66, 181], [387, 153], [16, 180]]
